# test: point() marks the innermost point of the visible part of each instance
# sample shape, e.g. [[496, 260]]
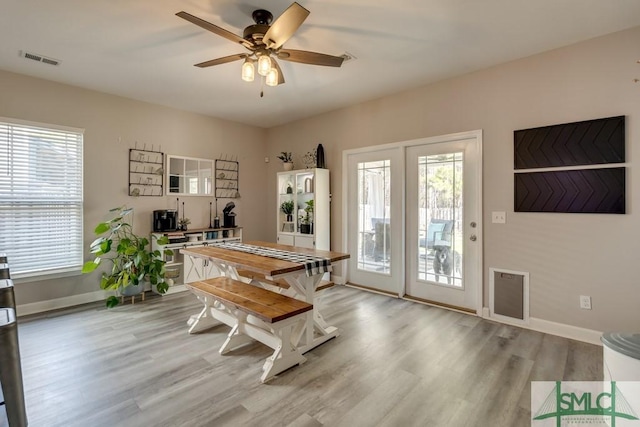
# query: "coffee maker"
[[229, 217], [165, 220]]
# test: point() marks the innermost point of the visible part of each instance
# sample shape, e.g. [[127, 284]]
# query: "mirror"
[[189, 176]]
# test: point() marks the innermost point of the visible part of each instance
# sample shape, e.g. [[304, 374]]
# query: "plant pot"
[[305, 228], [289, 218], [131, 290], [287, 166]]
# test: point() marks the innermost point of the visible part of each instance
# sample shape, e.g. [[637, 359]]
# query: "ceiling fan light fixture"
[[248, 70], [264, 64], [272, 77]]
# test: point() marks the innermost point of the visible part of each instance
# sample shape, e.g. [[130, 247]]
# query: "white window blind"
[[40, 198]]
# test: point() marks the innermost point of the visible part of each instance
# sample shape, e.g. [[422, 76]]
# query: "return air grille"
[[509, 295], [39, 58]]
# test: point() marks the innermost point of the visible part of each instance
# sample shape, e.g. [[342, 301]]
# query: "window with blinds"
[[40, 198]]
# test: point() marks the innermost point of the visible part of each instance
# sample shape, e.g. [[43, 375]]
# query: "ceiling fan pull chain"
[[262, 87]]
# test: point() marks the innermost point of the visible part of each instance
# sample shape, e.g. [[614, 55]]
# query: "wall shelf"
[[227, 176], [146, 173]]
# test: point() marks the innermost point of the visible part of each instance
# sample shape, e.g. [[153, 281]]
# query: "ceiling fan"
[[264, 42]]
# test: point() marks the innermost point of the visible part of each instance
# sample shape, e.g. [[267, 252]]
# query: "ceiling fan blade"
[[222, 60], [283, 28], [277, 67], [214, 29], [313, 58]]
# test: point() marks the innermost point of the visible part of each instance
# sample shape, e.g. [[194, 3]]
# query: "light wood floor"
[[396, 363]]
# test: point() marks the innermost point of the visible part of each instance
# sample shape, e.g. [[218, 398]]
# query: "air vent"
[[39, 58]]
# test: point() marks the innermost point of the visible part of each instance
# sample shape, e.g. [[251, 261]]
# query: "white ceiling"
[[139, 48]]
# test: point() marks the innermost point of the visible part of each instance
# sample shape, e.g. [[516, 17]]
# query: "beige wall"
[[112, 126], [567, 255]]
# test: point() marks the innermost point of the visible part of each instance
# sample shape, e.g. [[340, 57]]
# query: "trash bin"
[[10, 371], [7, 297], [621, 356]]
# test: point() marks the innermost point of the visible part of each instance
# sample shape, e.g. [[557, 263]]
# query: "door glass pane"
[[374, 216], [440, 219]]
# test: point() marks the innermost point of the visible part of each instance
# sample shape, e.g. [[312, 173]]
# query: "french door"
[[413, 219], [374, 217], [443, 244]]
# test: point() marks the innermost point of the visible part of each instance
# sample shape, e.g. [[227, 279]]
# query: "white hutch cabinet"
[[302, 228]]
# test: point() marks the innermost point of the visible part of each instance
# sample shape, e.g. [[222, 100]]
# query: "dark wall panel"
[[573, 191], [581, 143]]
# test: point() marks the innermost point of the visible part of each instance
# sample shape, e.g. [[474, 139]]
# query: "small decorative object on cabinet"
[[309, 159], [145, 172], [287, 160], [320, 157], [180, 269], [310, 226]]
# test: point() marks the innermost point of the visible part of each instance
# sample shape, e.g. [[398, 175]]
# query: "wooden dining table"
[[302, 285]]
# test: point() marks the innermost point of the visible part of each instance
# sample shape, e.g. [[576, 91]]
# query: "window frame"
[[73, 142]]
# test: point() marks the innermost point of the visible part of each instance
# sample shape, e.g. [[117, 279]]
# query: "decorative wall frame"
[[588, 142], [567, 188], [571, 191]]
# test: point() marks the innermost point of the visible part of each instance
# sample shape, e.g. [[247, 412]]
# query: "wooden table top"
[[261, 264]]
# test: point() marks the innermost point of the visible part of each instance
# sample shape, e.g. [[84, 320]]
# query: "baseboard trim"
[[55, 304], [73, 300], [548, 327]]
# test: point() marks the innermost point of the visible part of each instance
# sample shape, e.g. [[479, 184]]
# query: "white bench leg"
[[203, 320], [236, 338], [284, 356]]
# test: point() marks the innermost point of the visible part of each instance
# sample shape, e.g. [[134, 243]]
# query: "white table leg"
[[316, 330]]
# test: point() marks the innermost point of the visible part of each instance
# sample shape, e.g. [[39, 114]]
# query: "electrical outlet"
[[585, 302], [498, 217]]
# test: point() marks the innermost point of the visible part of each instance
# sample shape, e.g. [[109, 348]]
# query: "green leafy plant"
[[287, 207], [285, 156], [131, 261], [308, 217]]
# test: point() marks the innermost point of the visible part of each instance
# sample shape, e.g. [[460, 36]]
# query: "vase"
[[320, 157], [289, 218], [287, 166]]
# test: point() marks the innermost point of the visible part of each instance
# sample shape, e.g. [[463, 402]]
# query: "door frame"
[[402, 146]]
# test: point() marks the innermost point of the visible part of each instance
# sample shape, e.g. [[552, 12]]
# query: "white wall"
[[567, 255], [112, 125]]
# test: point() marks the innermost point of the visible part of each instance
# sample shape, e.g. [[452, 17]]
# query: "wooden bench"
[[253, 313]]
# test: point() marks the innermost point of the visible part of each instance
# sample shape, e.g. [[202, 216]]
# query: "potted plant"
[[132, 262], [183, 223], [306, 221], [287, 208], [287, 160]]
